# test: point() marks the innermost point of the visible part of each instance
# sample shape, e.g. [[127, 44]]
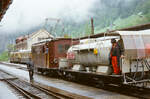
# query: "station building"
[[25, 42]]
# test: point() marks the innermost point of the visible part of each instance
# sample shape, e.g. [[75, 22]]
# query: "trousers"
[[31, 74], [115, 65]]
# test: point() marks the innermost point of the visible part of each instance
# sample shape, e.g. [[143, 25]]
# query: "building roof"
[[39, 31], [4, 5], [21, 38]]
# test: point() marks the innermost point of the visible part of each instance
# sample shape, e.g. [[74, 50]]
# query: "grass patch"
[[4, 56]]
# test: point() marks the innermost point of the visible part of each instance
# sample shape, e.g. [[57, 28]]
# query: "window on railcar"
[[61, 48]]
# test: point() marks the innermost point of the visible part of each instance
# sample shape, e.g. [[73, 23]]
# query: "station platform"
[[83, 90]]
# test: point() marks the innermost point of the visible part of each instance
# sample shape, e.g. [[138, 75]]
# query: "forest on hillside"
[[111, 15], [107, 14]]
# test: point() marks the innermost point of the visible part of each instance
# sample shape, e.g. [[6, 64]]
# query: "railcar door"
[[51, 54]]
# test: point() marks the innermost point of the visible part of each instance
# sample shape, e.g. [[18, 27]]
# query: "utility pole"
[[92, 27], [53, 29]]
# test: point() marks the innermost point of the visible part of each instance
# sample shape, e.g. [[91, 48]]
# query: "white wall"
[[34, 38]]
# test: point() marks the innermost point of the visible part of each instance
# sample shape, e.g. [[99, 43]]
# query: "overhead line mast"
[[57, 21]]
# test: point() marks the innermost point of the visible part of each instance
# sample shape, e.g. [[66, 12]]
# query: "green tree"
[[4, 56], [10, 47]]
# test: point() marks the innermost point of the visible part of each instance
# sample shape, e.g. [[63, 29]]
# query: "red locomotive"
[[46, 55]]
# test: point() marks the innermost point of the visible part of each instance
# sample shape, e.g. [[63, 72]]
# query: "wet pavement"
[[6, 92], [20, 65], [64, 85], [4, 76]]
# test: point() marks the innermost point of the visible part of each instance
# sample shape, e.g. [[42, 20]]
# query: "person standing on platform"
[[30, 67]]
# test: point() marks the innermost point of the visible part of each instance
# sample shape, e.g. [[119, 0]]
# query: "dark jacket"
[[30, 65], [116, 51]]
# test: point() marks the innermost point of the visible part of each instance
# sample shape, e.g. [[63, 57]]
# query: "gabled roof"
[[40, 31], [33, 34], [4, 5]]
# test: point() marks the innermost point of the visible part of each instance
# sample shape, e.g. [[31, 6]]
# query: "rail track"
[[134, 91], [37, 91], [29, 91]]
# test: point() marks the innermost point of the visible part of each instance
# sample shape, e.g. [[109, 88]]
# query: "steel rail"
[[57, 95], [54, 92], [22, 91]]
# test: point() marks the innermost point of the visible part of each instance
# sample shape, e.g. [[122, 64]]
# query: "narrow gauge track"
[[36, 91], [29, 91], [129, 90]]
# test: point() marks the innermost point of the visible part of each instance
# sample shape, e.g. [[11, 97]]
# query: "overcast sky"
[[25, 14]]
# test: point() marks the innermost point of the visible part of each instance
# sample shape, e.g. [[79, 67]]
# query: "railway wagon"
[[25, 56], [92, 56], [15, 57], [46, 55], [22, 56]]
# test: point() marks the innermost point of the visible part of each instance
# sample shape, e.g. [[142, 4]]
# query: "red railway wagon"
[[46, 54]]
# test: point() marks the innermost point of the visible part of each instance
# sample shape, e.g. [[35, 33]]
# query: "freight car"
[[46, 54], [15, 57], [22, 56], [92, 55], [88, 61]]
